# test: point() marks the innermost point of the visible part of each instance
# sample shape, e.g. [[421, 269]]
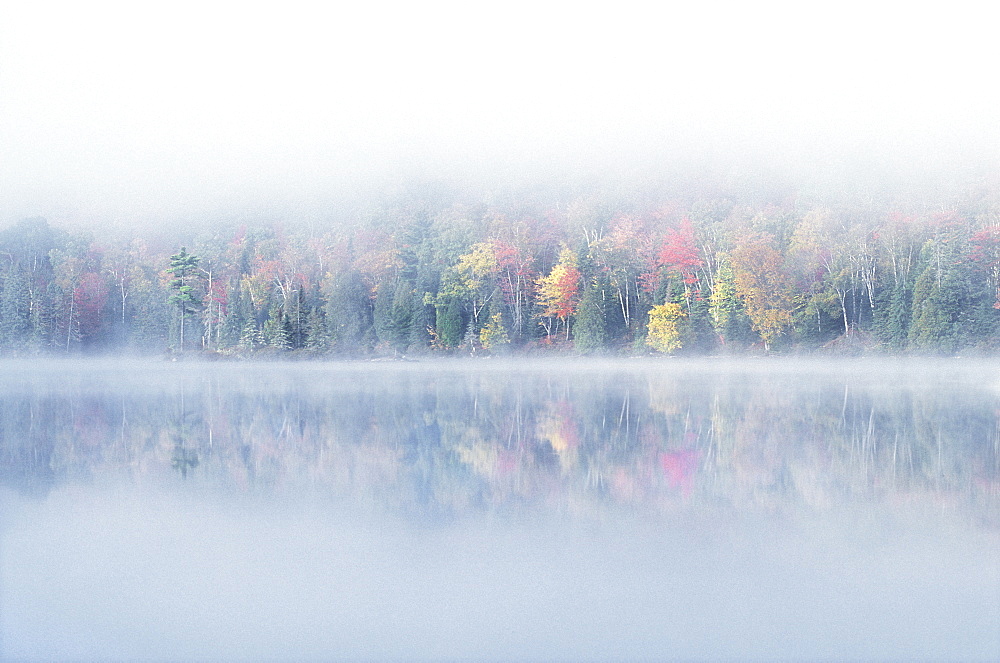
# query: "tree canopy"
[[594, 272]]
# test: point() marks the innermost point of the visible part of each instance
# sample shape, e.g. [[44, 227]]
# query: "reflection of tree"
[[184, 459], [450, 441]]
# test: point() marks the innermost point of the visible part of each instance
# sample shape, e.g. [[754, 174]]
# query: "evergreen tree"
[[590, 331], [892, 320], [696, 328], [276, 331], [349, 314], [401, 316], [41, 322], [449, 322], [317, 338], [235, 315], [939, 312], [421, 322], [251, 338], [184, 267], [15, 312]]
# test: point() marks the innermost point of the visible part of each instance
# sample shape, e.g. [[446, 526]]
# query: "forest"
[[602, 270]]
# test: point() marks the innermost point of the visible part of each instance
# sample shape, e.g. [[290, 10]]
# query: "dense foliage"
[[597, 274]]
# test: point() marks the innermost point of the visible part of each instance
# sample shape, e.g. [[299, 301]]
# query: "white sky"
[[141, 112]]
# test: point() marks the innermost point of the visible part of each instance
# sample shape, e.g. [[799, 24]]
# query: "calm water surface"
[[495, 511]]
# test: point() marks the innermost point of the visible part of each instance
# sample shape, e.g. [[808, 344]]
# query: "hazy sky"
[[151, 111]]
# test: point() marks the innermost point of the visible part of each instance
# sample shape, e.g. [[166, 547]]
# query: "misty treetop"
[[589, 276]]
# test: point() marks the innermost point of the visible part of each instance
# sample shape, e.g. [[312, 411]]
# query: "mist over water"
[[482, 510]]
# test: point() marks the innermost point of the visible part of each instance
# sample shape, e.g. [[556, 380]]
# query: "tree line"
[[588, 276]]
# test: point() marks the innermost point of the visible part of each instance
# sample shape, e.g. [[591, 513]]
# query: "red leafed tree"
[[516, 278], [985, 255], [679, 253], [677, 256]]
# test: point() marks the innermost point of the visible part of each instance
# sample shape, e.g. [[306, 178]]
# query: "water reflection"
[[491, 511], [467, 439]]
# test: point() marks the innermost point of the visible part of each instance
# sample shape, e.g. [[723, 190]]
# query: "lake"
[[488, 510]]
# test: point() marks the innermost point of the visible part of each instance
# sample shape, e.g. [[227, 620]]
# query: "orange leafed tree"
[[559, 292], [763, 285]]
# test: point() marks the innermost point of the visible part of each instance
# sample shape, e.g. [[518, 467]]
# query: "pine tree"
[[184, 267]]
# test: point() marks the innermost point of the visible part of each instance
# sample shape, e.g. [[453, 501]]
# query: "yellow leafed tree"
[[663, 330]]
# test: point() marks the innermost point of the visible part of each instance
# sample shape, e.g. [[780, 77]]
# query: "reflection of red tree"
[[90, 424], [507, 461], [680, 468]]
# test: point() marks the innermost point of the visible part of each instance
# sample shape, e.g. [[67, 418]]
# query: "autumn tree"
[[678, 258], [516, 278], [623, 255], [663, 330], [559, 292], [472, 281], [726, 309], [826, 274], [762, 284], [493, 336]]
